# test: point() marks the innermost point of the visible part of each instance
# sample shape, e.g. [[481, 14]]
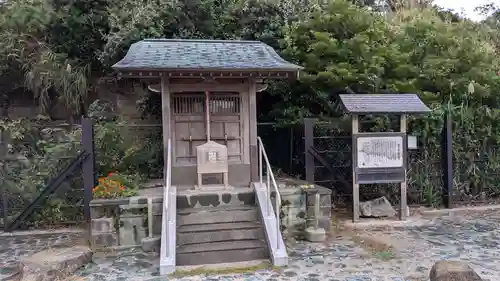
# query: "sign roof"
[[383, 103]]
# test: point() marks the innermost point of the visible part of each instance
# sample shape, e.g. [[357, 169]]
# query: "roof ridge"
[[201, 40]]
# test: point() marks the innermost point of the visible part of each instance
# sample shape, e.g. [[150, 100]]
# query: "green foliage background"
[[61, 50]]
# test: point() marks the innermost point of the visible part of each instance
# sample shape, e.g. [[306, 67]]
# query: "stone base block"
[[104, 239], [379, 207], [453, 271], [151, 244], [54, 264], [315, 234], [102, 225]]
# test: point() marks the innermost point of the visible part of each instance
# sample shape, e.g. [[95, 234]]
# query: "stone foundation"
[[298, 207], [123, 222]]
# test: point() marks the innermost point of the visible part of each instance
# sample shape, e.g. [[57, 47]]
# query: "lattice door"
[[188, 117]]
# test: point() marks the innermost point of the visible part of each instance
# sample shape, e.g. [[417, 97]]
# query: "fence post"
[[3, 173], [447, 160], [309, 143], [89, 178]]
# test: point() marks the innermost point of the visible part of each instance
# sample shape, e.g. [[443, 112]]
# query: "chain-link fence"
[[476, 174], [285, 147], [331, 151], [33, 155], [133, 148]]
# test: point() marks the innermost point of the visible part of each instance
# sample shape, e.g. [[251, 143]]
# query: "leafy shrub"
[[114, 186]]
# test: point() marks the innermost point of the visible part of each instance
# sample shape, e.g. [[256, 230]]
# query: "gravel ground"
[[473, 237]]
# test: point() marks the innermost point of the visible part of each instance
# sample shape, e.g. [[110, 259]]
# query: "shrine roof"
[[181, 55], [383, 103]]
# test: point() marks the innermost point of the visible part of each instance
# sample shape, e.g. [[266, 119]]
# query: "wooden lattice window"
[[194, 103], [224, 103], [188, 104]]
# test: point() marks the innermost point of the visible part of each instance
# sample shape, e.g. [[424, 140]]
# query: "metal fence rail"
[[42, 183]]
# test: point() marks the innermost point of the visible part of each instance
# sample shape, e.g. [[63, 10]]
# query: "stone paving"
[[14, 247], [472, 238]]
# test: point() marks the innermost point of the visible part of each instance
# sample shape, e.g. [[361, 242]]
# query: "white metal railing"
[[270, 180], [165, 251]]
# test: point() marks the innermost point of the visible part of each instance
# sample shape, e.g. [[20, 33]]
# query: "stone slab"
[[453, 271], [150, 244], [103, 225], [104, 240], [131, 233], [315, 234], [54, 264], [378, 207]]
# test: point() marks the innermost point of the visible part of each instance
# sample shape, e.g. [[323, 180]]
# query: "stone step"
[[215, 198], [218, 226], [218, 232], [221, 252], [217, 215]]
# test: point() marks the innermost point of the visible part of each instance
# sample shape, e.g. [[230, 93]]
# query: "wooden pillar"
[[355, 185], [447, 160], [88, 168], [403, 200], [165, 113], [252, 109], [207, 114], [308, 144]]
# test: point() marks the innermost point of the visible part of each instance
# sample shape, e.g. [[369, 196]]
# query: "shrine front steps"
[[224, 234]]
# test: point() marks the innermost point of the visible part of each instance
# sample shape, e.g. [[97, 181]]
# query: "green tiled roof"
[[202, 55]]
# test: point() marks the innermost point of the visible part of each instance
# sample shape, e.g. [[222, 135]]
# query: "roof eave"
[[139, 72], [119, 68], [412, 112]]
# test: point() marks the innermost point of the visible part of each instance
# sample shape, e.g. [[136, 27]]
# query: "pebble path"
[[474, 238]]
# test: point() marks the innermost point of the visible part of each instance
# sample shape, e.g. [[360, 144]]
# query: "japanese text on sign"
[[380, 152]]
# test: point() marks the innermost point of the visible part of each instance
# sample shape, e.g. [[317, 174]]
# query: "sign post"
[[380, 157]]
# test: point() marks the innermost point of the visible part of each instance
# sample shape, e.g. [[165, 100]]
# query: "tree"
[[27, 59]]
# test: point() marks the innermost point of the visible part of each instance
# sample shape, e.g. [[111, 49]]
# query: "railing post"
[[309, 143], [89, 177], [259, 143], [447, 160], [268, 189]]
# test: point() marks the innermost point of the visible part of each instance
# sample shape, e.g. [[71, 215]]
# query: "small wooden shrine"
[[208, 90]]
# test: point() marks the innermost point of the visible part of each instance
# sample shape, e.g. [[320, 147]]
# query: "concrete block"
[[157, 220], [132, 230], [132, 210], [315, 234], [103, 225], [104, 240], [323, 222], [150, 244], [324, 211], [324, 199], [157, 208], [222, 216], [294, 199], [99, 211]]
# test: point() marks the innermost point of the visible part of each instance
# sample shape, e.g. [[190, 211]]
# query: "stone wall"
[[123, 222], [298, 201]]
